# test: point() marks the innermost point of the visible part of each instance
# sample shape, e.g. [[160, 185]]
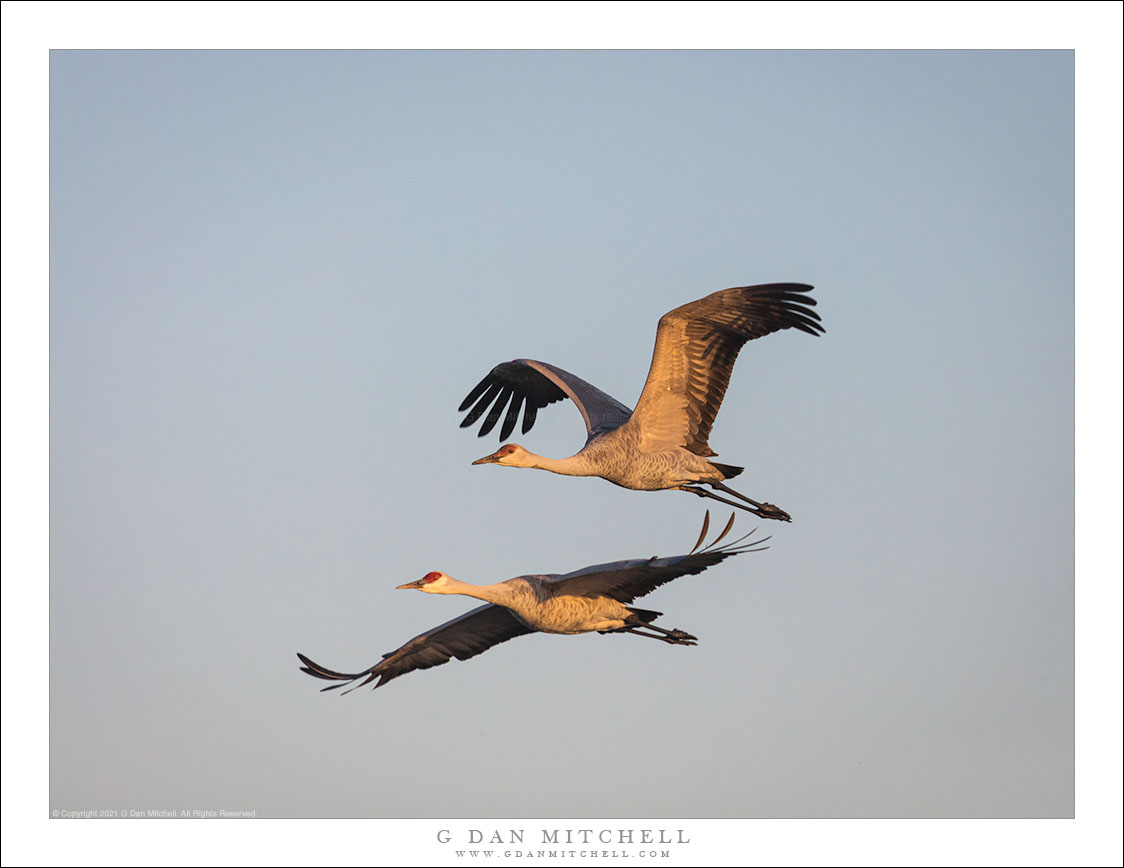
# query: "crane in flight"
[[590, 599], [662, 444]]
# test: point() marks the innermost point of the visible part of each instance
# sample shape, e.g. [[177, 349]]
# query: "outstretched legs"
[[671, 637], [763, 510]]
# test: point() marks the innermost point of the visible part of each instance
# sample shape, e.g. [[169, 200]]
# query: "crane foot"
[[761, 510], [671, 637], [767, 510]]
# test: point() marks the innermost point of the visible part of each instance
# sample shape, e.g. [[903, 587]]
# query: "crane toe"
[[768, 510]]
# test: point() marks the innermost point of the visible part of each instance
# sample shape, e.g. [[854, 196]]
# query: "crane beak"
[[416, 585], [487, 459]]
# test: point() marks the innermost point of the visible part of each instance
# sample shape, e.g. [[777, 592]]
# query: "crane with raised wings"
[[663, 443]]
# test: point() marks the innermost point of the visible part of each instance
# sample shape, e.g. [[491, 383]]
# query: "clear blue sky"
[[275, 275]]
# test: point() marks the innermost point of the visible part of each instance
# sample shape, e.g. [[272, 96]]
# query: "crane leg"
[[671, 637], [765, 510], [762, 510]]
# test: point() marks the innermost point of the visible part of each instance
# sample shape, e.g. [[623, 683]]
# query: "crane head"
[[430, 583], [510, 454]]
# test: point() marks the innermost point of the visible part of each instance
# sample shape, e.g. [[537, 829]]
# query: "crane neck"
[[575, 465], [501, 594]]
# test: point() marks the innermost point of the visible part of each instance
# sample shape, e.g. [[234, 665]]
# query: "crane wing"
[[624, 581], [696, 346], [530, 386], [464, 637]]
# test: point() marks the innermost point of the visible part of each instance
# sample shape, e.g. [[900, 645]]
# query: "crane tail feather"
[[728, 471], [645, 615]]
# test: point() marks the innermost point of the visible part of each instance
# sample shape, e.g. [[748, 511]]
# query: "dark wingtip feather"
[[530, 413], [512, 416], [314, 669], [476, 392], [482, 405], [497, 409], [725, 530], [798, 308], [702, 534]]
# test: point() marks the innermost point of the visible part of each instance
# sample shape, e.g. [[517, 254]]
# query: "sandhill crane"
[[586, 600], [662, 444]]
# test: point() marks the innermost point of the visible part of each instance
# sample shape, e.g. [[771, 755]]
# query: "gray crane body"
[[543, 605]]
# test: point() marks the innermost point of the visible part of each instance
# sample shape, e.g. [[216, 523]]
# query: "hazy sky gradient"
[[275, 275]]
